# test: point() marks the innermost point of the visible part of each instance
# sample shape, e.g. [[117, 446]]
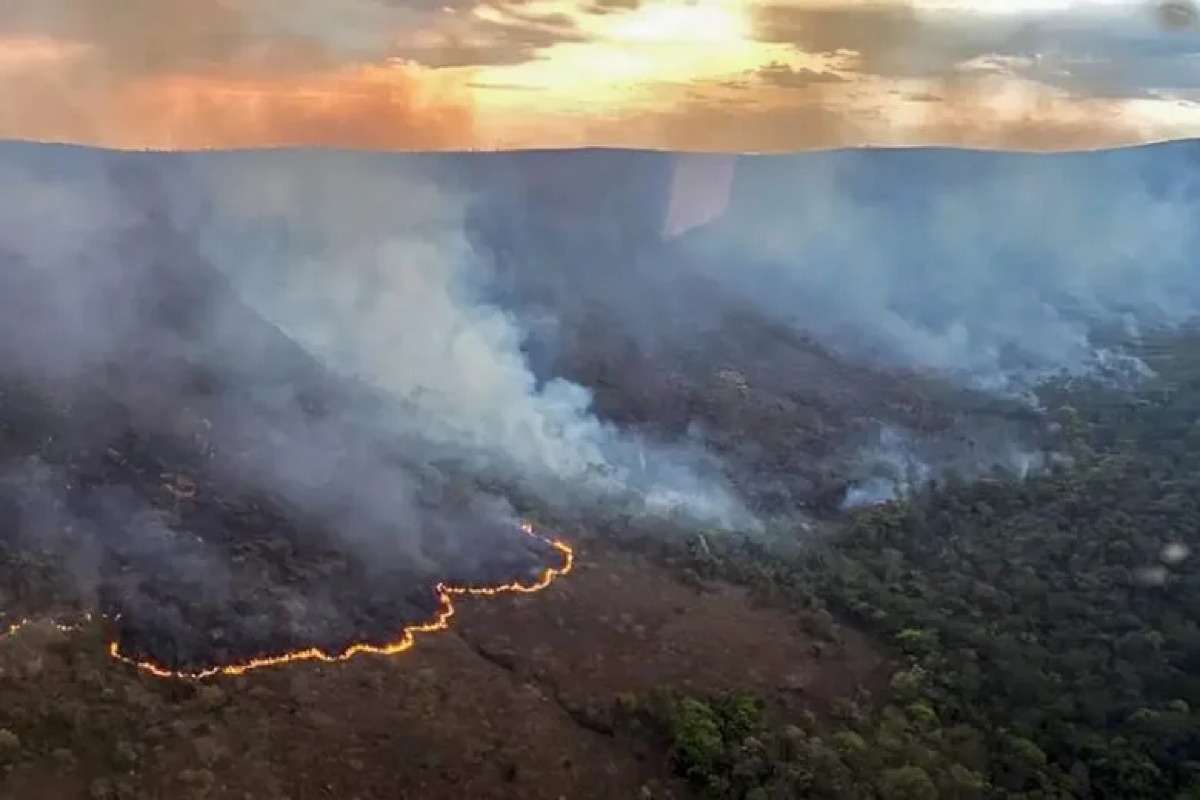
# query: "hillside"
[[252, 403]]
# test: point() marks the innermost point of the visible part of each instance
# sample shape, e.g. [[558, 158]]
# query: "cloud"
[[427, 74], [612, 6], [1116, 50], [1026, 79], [886, 39], [1106, 77], [504, 87], [1177, 15], [367, 107], [983, 110], [139, 36], [494, 35], [975, 112], [779, 74], [188, 74], [146, 37]]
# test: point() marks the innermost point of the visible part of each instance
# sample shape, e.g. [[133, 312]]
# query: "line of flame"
[[407, 638]]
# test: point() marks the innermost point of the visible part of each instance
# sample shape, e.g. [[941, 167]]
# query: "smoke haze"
[[996, 268], [308, 385]]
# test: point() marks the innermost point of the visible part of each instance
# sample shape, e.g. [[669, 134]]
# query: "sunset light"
[[681, 22], [650, 73], [600, 399]]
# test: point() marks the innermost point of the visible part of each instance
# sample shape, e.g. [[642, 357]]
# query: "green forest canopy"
[[1049, 625]]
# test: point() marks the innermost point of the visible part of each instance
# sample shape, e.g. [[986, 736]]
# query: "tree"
[[907, 783]]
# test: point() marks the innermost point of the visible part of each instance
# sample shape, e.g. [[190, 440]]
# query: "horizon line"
[[460, 151]]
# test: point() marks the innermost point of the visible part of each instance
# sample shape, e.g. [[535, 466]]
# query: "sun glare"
[[630, 56], [678, 22]]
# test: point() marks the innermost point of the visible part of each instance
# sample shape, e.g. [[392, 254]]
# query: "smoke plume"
[[370, 269], [996, 268], [315, 383], [274, 383]]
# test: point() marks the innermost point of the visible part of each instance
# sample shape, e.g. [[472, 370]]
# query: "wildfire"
[[407, 638], [405, 642]]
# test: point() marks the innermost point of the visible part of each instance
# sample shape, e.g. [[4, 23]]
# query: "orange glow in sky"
[[742, 75]]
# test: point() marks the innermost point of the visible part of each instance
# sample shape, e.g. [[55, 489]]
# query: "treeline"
[[1049, 627]]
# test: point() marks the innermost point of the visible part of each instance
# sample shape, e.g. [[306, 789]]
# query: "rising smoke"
[[984, 270], [182, 462], [894, 463], [995, 271], [995, 268], [370, 269], [350, 338], [312, 330]]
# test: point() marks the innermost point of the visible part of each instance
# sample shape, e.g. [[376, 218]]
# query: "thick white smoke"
[[996, 268], [371, 272], [895, 463], [179, 428]]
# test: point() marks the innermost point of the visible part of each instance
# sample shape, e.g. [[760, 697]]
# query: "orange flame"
[[407, 638]]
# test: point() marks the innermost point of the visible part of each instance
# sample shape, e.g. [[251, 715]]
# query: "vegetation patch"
[[1048, 628]]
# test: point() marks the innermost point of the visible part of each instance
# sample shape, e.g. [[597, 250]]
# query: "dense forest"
[[1048, 626]]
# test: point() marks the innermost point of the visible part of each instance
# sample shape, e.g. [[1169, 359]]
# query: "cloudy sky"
[[757, 75]]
